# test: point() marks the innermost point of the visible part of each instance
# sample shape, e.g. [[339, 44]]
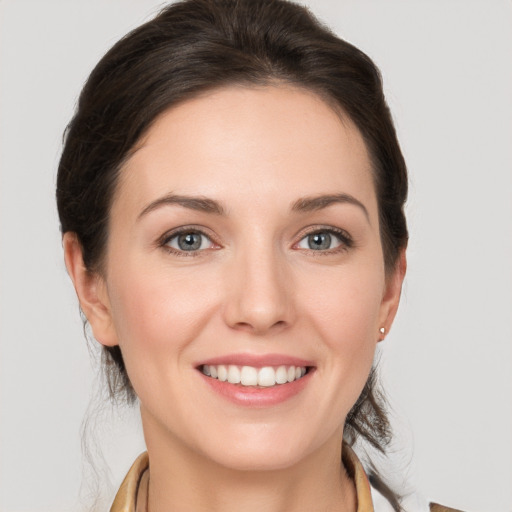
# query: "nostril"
[[259, 326]]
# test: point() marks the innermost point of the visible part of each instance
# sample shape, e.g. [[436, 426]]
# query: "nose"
[[260, 293]]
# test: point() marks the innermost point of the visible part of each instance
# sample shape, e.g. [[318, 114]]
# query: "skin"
[[254, 287]]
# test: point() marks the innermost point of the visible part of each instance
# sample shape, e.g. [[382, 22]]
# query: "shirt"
[[138, 479]]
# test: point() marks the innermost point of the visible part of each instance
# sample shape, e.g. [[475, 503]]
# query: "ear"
[[391, 297], [91, 290]]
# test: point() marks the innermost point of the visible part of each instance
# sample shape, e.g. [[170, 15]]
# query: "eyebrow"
[[206, 205], [315, 203], [202, 204]]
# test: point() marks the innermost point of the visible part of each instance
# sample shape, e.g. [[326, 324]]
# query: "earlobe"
[[391, 297], [91, 292]]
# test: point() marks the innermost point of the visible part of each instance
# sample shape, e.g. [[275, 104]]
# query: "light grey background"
[[447, 362]]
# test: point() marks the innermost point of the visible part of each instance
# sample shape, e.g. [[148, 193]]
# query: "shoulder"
[[126, 497], [435, 507]]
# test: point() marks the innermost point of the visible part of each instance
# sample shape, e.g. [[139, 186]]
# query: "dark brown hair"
[[193, 46]]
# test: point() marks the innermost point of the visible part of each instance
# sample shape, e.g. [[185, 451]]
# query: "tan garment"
[[138, 477]]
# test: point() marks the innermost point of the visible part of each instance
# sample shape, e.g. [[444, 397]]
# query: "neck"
[[182, 479]]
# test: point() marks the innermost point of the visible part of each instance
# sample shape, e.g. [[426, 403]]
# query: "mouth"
[[255, 377], [256, 380]]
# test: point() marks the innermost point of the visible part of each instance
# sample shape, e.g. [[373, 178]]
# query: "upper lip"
[[256, 360]]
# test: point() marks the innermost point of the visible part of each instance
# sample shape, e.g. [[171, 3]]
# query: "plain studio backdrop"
[[446, 363]]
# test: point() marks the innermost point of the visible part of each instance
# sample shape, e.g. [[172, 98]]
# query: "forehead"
[[253, 143]]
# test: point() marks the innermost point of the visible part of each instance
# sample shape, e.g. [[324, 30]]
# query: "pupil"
[[320, 241], [189, 241]]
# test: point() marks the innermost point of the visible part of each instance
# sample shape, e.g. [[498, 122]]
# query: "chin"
[[258, 460], [270, 450]]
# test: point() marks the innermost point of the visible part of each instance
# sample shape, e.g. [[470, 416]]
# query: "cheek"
[[151, 304], [345, 312], [156, 317], [345, 305]]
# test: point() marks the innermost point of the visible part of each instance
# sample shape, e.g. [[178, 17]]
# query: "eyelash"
[[185, 230], [346, 241]]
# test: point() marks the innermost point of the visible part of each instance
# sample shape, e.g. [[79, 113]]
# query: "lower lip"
[[250, 396]]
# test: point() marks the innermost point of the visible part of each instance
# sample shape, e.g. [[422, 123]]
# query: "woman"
[[231, 197]]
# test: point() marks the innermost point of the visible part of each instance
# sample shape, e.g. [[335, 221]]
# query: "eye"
[[324, 240], [188, 241]]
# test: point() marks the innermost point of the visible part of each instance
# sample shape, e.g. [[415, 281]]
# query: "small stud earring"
[[382, 330]]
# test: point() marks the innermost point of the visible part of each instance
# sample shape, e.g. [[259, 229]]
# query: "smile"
[[266, 376]]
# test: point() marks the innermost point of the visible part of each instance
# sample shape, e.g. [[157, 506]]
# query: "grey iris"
[[189, 241], [319, 241]]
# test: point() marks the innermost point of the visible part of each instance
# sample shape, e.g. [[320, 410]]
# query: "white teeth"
[[233, 374], [222, 373], [266, 376], [282, 375], [249, 376]]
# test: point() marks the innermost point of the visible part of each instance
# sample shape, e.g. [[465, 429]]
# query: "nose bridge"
[[259, 290]]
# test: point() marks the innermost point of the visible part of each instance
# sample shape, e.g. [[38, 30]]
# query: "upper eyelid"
[[163, 242], [343, 236], [172, 233], [306, 231], [319, 228]]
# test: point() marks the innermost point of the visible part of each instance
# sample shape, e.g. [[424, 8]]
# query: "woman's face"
[[244, 243]]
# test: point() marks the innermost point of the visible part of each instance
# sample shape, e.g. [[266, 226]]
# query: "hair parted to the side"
[[194, 46]]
